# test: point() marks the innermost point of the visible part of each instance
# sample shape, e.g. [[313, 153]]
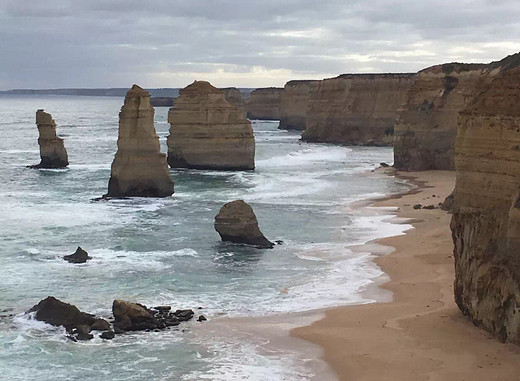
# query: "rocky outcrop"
[[207, 132], [486, 218], [294, 102], [236, 222], [139, 168], [52, 150], [356, 109], [162, 101], [79, 256], [264, 104], [427, 127], [234, 96]]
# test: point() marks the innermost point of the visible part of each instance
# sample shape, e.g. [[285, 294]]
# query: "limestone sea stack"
[[52, 150], [356, 109], [208, 132], [486, 217], [293, 104], [264, 103], [139, 168], [236, 222], [234, 96]]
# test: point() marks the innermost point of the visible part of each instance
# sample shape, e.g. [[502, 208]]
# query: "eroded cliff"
[[358, 109], [486, 219], [264, 104], [52, 150], [208, 132], [294, 101]]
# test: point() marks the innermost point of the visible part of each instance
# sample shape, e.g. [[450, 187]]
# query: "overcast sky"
[[245, 43]]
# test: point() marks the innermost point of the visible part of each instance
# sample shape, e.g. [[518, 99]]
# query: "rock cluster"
[[264, 103], [127, 317], [52, 150], [486, 216], [139, 168], [207, 132], [293, 104], [356, 109], [236, 222]]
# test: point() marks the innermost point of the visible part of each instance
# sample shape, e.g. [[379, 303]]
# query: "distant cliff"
[[427, 126], [234, 96], [486, 219], [294, 102], [264, 103], [356, 108]]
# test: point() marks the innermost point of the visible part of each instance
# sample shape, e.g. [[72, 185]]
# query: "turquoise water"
[[165, 251]]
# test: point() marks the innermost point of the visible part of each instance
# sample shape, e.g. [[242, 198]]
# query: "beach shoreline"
[[419, 334]]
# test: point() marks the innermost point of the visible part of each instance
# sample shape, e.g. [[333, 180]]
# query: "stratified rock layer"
[[427, 127], [234, 96], [139, 168], [236, 222], [293, 104], [264, 104], [52, 150], [357, 109], [486, 218], [207, 132]]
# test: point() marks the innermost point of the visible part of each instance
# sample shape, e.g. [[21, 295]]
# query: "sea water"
[[165, 251]]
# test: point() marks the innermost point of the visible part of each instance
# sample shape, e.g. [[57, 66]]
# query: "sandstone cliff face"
[[356, 109], [427, 127], [234, 96], [207, 132], [139, 168], [264, 104], [293, 104], [486, 219], [52, 150]]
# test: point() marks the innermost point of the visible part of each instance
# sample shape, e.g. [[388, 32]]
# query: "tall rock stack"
[[486, 218], [293, 104], [52, 150], [139, 168], [427, 127], [356, 109], [207, 132], [264, 103]]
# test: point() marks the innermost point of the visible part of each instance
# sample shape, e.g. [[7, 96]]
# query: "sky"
[[243, 43]]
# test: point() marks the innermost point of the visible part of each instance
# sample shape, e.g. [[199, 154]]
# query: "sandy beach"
[[420, 334]]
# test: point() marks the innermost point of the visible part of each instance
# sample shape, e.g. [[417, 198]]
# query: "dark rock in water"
[[108, 335], [202, 318], [279, 242], [429, 207], [100, 325], [80, 256], [72, 338], [236, 222], [53, 311], [162, 308], [417, 206], [384, 165], [83, 333]]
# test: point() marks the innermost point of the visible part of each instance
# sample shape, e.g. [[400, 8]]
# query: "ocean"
[[166, 251]]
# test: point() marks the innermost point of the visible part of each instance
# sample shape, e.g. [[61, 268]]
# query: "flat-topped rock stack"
[[139, 168], [293, 104], [264, 103], [486, 217], [208, 132], [52, 150]]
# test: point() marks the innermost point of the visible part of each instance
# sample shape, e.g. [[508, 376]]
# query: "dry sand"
[[421, 334]]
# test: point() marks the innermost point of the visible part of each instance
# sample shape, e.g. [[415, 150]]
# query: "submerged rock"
[[52, 149], [139, 168], [80, 256], [236, 222], [208, 132]]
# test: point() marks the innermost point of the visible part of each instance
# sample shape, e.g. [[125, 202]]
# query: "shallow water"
[[165, 251]]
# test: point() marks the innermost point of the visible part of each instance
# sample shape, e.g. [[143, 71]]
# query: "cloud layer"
[[247, 43]]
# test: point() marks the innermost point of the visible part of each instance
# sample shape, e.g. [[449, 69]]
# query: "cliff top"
[[267, 90], [200, 87], [374, 75], [296, 82], [137, 92]]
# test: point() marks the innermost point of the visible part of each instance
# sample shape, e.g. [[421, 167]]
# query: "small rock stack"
[[52, 150]]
